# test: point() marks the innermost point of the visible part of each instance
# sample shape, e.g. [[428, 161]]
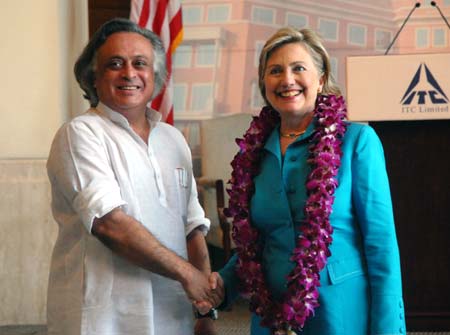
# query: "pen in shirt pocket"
[[182, 177]]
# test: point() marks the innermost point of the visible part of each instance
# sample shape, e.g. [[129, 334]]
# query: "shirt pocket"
[[182, 187], [343, 269]]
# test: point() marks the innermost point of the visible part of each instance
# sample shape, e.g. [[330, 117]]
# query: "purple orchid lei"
[[312, 245]]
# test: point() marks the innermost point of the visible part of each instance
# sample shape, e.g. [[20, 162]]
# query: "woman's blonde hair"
[[313, 44]]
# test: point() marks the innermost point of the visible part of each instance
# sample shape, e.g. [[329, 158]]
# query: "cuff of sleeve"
[[230, 280], [387, 315], [203, 225], [96, 201]]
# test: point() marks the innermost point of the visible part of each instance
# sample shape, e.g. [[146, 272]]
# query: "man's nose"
[[128, 71]]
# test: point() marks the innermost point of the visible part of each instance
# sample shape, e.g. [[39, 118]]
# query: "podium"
[[398, 87], [405, 98]]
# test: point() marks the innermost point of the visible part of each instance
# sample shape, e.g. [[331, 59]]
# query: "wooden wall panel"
[[101, 11], [418, 162]]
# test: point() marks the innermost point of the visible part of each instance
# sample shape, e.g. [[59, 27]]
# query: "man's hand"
[[217, 294], [195, 281], [205, 327], [197, 287]]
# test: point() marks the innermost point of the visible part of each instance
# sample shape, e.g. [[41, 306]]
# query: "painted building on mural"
[[215, 68]]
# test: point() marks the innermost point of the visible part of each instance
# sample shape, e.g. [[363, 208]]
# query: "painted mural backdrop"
[[215, 67]]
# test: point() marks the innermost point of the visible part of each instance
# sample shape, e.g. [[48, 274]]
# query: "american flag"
[[164, 18]]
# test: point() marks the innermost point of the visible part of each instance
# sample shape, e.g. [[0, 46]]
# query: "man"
[[125, 200]]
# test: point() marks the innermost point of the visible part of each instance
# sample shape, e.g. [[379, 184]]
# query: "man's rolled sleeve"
[[196, 214], [80, 170], [95, 201]]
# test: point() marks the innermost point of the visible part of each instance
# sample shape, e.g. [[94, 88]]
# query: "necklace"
[[312, 246], [292, 135]]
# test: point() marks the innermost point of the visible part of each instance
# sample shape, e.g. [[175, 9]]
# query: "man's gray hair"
[[85, 65]]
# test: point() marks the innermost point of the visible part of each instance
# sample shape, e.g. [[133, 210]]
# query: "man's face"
[[124, 76]]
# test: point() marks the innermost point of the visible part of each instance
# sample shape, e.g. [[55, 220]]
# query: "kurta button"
[[401, 316], [401, 330], [293, 158], [291, 190]]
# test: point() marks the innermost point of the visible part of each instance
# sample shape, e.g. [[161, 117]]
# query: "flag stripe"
[[145, 13], [176, 31], [164, 18], [160, 16]]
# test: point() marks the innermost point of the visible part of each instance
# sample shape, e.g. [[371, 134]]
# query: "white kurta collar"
[[151, 114]]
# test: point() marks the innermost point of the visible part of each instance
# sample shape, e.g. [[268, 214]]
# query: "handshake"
[[215, 294], [209, 294], [204, 292]]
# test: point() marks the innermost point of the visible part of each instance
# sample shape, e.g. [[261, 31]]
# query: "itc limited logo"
[[422, 92]]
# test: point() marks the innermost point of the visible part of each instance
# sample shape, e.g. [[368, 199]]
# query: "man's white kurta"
[[97, 163]]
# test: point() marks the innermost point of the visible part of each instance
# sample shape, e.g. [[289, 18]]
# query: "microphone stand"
[[434, 4], [417, 5]]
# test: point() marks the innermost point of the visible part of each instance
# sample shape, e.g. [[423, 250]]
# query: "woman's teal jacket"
[[361, 288]]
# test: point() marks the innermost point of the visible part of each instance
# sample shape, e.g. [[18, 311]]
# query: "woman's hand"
[[218, 288]]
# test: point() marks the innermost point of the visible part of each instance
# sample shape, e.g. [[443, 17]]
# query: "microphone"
[[417, 5], [434, 4]]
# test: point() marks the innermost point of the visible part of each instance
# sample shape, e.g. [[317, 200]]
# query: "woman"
[[311, 207]]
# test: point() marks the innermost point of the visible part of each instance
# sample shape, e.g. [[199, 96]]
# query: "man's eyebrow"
[[134, 56], [115, 56], [141, 56]]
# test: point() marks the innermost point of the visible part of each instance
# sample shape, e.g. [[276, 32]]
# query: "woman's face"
[[292, 80]]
